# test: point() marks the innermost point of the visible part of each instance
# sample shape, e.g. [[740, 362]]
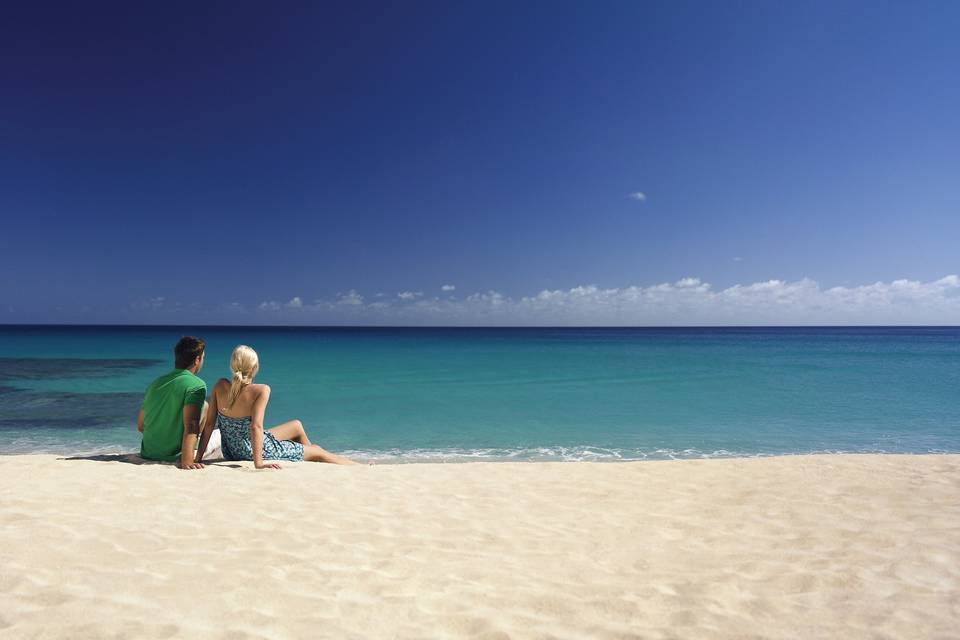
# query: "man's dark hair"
[[188, 349]]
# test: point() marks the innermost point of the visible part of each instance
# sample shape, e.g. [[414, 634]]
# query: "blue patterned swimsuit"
[[236, 445]]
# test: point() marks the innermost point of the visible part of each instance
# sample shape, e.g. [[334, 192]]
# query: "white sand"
[[794, 547]]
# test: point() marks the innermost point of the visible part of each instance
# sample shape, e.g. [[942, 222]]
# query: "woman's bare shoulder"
[[260, 389]]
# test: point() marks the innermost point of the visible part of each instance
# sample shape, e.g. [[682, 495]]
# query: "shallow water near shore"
[[448, 395]]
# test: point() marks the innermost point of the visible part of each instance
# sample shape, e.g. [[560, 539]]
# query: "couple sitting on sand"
[[175, 413]]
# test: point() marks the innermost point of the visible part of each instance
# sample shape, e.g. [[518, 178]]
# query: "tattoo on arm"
[[191, 419]]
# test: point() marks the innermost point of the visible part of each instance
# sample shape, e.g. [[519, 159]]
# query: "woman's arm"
[[256, 429], [209, 419]]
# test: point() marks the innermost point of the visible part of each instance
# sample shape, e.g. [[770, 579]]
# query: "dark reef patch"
[[21, 409], [53, 368], [31, 409]]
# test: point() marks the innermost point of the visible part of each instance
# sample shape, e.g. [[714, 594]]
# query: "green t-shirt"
[[163, 405]]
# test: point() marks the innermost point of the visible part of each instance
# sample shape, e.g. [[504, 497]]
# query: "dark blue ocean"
[[428, 394]]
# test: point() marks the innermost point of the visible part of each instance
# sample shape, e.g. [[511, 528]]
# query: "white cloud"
[[447, 287], [684, 302], [639, 196], [737, 259], [155, 304], [295, 303], [351, 298]]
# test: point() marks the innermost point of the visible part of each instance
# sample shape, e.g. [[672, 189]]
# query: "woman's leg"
[[316, 453], [292, 430]]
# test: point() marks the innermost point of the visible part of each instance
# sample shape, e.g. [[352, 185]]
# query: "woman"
[[238, 406]]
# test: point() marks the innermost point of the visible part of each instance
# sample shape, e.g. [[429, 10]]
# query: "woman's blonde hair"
[[244, 364]]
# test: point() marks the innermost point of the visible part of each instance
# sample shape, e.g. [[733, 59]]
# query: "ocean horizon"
[[450, 394]]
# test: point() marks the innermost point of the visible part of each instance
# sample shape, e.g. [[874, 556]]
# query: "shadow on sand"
[[132, 458]]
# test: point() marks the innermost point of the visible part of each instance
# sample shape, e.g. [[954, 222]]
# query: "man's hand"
[[189, 466], [266, 465]]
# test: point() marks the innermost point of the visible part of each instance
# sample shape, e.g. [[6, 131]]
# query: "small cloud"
[[447, 287], [409, 295], [269, 306], [639, 196], [155, 303], [296, 303], [737, 259], [379, 294], [350, 298]]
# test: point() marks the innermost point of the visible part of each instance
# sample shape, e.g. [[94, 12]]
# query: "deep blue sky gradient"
[[211, 153]]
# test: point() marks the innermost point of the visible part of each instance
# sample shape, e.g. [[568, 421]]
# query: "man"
[[170, 414]]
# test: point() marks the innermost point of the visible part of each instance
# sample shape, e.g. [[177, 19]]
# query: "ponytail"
[[243, 363]]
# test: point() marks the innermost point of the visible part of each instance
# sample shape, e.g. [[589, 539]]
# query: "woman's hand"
[[266, 465]]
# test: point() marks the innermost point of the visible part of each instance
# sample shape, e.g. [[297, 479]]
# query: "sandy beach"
[[859, 546]]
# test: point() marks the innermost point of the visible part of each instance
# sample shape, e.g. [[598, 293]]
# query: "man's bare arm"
[[140, 421], [191, 429]]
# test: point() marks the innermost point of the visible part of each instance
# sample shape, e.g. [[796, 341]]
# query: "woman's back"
[[242, 406]]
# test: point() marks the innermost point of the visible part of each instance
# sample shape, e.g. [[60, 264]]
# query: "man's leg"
[[213, 450]]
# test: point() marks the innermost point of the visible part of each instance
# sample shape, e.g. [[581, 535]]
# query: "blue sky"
[[282, 164]]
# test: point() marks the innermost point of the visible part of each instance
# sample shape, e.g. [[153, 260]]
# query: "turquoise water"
[[520, 394]]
